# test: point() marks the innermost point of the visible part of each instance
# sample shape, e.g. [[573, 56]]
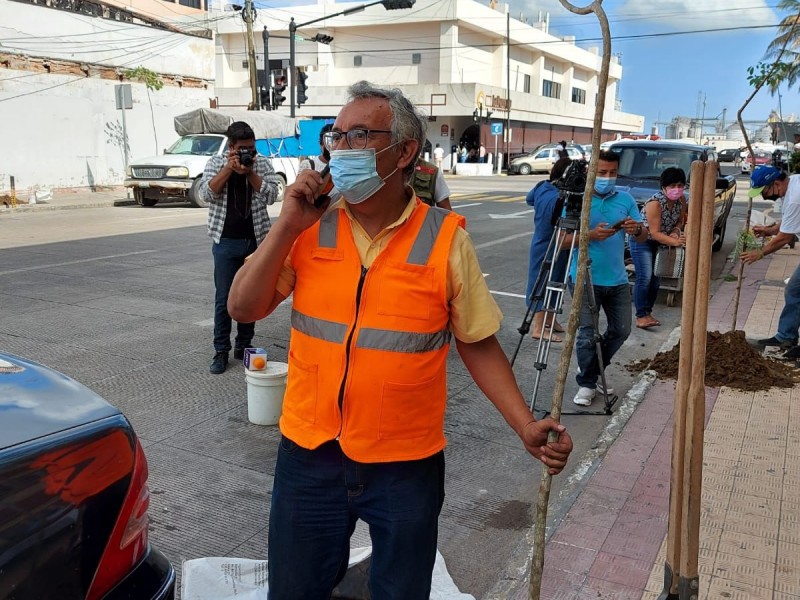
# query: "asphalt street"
[[121, 299]]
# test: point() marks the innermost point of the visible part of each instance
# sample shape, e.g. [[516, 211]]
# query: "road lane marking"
[[516, 215], [468, 205], [502, 240], [510, 294], [77, 262]]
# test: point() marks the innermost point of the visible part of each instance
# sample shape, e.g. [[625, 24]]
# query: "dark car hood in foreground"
[[36, 401]]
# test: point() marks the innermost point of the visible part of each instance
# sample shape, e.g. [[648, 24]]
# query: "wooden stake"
[[684, 379], [688, 583]]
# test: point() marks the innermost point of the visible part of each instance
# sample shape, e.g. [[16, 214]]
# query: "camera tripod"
[[550, 292]]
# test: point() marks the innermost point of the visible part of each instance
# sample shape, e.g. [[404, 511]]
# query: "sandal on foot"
[[554, 338]]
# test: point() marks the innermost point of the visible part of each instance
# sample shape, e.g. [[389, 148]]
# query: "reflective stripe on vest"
[[372, 339], [328, 229], [423, 245], [321, 329], [402, 341]]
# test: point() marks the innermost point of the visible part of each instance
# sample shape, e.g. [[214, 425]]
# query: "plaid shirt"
[[218, 203]]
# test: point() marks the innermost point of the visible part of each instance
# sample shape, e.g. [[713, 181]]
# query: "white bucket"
[[265, 390]]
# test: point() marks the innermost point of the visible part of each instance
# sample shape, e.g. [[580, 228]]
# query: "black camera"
[[246, 157], [572, 185]]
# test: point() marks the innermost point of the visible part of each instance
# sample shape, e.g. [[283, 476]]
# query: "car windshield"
[[204, 145], [649, 163]]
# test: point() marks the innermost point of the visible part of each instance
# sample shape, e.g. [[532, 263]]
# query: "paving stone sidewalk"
[[611, 543]]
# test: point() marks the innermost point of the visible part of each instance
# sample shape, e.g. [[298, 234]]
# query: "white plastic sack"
[[222, 578]]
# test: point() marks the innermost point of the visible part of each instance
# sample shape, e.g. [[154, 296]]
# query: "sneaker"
[[774, 341], [608, 391], [219, 364], [792, 353], [584, 396], [238, 353]]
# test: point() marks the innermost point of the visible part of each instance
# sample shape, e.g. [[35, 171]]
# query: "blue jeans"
[[317, 497], [616, 304], [645, 288], [229, 257], [789, 321]]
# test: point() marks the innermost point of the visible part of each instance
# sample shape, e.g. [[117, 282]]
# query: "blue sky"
[[664, 76], [669, 75]]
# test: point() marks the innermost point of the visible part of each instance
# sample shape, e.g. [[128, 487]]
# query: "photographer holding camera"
[[614, 214], [238, 187]]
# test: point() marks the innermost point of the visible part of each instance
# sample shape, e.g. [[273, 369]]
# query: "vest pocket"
[[301, 390], [406, 291], [409, 410]]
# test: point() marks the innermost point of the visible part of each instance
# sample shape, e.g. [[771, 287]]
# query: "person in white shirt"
[[771, 184], [438, 156]]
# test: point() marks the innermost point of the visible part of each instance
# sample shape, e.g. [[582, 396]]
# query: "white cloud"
[[694, 14], [653, 17]]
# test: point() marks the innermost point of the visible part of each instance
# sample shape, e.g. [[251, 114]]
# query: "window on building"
[[245, 64], [551, 89], [526, 84], [191, 3], [578, 95], [416, 58], [357, 60]]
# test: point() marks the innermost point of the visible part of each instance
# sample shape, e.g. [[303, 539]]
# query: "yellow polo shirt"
[[474, 315]]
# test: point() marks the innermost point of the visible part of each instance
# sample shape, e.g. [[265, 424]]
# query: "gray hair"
[[407, 122]]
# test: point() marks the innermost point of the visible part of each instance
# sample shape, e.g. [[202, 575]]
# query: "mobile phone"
[[618, 225], [327, 187]]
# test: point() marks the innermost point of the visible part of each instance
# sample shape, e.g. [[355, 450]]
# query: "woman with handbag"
[[664, 215]]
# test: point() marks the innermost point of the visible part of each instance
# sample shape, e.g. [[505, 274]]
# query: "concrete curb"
[[25, 208]]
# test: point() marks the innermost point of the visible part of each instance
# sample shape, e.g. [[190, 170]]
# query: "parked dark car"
[[642, 162], [73, 494], [728, 155]]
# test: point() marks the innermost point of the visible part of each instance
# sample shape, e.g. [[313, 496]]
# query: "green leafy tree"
[[152, 82], [785, 48]]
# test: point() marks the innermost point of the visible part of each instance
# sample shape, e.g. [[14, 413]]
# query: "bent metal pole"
[[672, 562]]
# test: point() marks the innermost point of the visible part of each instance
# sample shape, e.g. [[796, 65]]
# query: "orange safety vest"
[[368, 347]]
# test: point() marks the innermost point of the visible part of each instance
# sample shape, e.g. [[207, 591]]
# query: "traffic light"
[[397, 4], [277, 91], [302, 87], [264, 97], [322, 38]]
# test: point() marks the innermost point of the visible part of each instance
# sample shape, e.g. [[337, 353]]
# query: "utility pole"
[[267, 70], [508, 86], [249, 16], [290, 82]]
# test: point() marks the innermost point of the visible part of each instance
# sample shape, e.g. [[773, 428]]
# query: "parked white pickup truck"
[[176, 174]]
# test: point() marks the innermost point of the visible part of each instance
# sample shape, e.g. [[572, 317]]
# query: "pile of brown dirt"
[[730, 361]]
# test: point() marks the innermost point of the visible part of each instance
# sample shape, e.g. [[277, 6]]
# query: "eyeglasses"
[[356, 138]]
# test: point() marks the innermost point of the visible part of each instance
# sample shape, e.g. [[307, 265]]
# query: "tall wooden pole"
[[672, 562], [540, 523], [689, 581]]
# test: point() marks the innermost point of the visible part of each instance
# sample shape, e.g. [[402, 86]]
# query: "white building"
[[448, 56], [58, 72]]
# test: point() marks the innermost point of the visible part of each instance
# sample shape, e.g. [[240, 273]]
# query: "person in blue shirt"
[[613, 215], [544, 199]]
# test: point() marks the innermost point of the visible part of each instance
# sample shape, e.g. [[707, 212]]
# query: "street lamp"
[[293, 27]]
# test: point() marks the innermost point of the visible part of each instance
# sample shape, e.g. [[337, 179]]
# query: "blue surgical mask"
[[355, 173], [605, 185]]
